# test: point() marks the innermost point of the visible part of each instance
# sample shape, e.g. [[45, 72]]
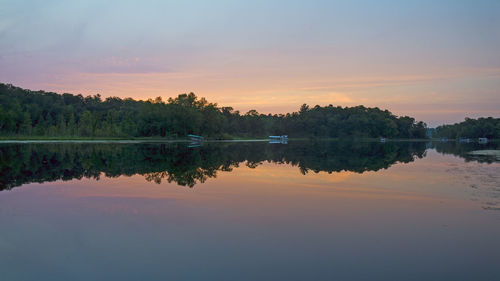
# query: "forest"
[[38, 113], [471, 128]]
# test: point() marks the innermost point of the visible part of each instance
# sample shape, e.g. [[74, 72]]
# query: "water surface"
[[249, 211]]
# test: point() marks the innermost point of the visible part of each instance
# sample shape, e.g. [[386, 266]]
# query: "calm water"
[[249, 211]]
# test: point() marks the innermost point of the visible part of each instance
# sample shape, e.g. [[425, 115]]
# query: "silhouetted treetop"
[[38, 113]]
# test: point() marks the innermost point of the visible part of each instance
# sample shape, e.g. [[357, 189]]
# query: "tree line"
[[471, 128], [39, 113]]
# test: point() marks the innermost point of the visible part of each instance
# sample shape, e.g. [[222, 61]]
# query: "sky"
[[437, 61]]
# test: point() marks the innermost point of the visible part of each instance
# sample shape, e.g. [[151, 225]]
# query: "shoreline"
[[7, 140]]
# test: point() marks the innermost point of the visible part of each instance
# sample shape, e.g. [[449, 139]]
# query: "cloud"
[[124, 65]]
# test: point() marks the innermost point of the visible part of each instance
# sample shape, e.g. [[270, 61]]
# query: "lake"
[[306, 210]]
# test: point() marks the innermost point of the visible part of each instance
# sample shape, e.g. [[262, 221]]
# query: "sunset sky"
[[438, 61]]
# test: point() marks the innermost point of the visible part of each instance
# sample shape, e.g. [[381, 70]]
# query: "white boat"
[[279, 139]]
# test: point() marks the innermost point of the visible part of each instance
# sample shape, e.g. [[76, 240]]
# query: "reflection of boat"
[[195, 144], [195, 141], [283, 141], [482, 140], [279, 139]]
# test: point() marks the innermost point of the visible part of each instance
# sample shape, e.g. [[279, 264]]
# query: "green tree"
[[27, 125]]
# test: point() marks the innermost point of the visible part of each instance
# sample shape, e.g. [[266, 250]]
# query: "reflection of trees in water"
[[189, 178], [462, 150], [26, 163]]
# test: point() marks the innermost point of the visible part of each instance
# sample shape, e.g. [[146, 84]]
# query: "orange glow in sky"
[[438, 62]]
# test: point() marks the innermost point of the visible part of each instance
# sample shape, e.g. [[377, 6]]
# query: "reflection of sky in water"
[[416, 221]]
